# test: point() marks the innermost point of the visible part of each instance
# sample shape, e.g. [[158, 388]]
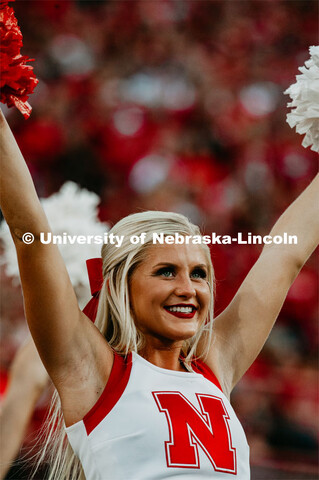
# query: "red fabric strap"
[[200, 367], [112, 392]]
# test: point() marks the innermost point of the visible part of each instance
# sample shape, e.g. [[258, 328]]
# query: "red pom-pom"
[[17, 78]]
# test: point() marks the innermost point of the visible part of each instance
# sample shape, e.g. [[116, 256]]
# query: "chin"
[[184, 334]]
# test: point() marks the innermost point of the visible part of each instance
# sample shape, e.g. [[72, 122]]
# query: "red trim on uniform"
[[112, 392], [201, 367]]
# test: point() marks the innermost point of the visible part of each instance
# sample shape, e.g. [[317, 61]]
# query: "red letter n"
[[190, 429]]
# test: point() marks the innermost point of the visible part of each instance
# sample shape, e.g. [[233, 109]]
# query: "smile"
[[182, 311]]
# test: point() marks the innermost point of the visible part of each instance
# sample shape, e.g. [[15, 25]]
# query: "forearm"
[[15, 415], [27, 381], [18, 199], [300, 219]]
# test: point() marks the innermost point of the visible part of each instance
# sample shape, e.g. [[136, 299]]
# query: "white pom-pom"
[[72, 210], [305, 101]]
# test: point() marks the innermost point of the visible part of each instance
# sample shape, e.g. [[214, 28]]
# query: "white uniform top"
[[151, 423]]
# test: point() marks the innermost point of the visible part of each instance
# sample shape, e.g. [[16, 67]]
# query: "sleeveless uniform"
[[151, 423]]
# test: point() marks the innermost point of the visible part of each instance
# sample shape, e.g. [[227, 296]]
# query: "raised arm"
[[241, 330], [27, 381], [62, 333]]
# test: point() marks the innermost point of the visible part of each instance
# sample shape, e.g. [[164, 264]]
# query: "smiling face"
[[169, 293]]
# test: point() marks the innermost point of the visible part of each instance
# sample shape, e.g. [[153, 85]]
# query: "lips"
[[181, 310]]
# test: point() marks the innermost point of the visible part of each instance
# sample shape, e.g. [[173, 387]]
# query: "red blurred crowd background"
[[178, 105]]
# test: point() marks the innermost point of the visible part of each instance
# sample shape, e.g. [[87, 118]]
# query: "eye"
[[198, 273], [166, 272]]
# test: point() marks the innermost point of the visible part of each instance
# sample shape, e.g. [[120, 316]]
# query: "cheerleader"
[[144, 391]]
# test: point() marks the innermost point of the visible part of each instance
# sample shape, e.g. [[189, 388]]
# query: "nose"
[[184, 287]]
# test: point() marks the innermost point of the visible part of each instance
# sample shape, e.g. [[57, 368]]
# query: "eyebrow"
[[169, 264]]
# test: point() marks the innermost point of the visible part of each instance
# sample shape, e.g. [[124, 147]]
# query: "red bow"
[[94, 267]]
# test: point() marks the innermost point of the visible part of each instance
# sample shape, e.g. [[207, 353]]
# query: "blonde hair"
[[114, 318]]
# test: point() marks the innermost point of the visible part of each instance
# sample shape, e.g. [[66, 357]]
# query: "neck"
[[164, 357]]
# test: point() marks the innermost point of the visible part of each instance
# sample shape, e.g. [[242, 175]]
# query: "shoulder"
[[199, 366]]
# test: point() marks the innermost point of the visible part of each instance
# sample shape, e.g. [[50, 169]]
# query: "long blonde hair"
[[115, 321]]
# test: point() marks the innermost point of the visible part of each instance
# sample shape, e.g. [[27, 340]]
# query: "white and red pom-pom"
[[305, 101], [17, 80]]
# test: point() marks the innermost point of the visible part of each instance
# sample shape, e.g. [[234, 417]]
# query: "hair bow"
[[95, 273]]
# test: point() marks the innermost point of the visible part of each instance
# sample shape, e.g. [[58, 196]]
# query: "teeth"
[[181, 309]]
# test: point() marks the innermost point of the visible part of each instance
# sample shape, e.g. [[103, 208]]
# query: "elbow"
[[32, 224], [16, 234], [286, 262]]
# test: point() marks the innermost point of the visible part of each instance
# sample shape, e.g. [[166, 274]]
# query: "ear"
[[108, 285]]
